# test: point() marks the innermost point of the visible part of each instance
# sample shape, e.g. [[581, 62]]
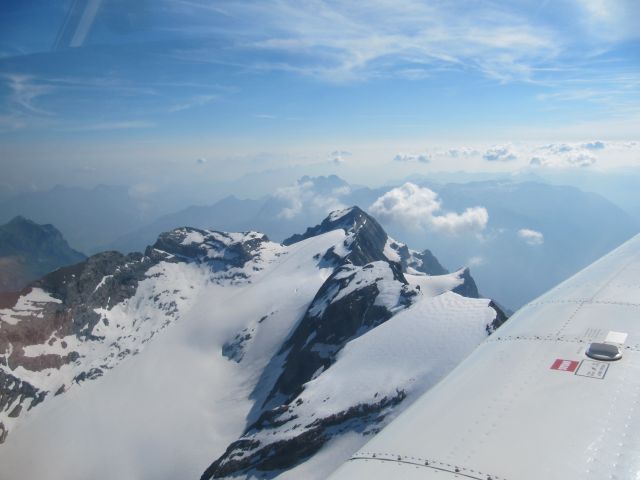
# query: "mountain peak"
[[348, 219], [30, 250], [20, 221], [468, 287]]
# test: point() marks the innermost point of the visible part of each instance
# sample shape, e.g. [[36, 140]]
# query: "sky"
[[140, 91]]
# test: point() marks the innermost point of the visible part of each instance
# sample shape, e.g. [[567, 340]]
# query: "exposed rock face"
[[29, 250], [345, 307], [221, 250], [15, 395], [247, 456], [468, 288], [77, 322], [102, 281], [424, 262], [501, 317]]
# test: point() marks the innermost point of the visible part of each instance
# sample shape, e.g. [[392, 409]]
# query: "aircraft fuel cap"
[[604, 351]]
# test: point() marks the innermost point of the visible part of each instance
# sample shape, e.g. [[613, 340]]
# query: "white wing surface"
[[528, 403]]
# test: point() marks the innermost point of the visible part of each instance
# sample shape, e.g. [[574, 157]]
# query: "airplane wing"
[[543, 398]]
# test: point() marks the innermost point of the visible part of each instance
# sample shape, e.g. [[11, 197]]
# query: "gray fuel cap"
[[604, 351]]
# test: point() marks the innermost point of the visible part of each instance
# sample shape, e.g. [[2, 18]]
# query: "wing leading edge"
[[528, 403]]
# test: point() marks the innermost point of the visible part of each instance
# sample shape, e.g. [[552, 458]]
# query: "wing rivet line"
[[425, 463]]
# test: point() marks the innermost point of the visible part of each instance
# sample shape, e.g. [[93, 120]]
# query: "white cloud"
[[338, 157], [411, 157], [461, 152], [303, 198], [597, 145], [531, 237], [500, 154], [413, 206], [579, 158], [556, 148]]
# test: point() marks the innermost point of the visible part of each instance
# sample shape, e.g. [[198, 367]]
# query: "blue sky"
[[114, 88]]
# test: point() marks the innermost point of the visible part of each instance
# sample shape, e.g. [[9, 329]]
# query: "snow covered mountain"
[[227, 354]]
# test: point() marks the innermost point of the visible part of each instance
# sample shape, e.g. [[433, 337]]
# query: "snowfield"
[[168, 412]]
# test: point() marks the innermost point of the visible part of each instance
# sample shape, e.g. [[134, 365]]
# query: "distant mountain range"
[[86, 217], [216, 354], [29, 250], [574, 227]]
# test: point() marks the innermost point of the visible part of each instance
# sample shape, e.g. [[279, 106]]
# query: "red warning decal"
[[565, 365]]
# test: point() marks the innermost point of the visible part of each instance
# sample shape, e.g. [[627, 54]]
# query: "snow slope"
[[167, 412]]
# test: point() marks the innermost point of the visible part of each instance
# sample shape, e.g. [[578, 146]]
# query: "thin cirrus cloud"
[[25, 90], [412, 206], [531, 237], [411, 157], [193, 102], [347, 41], [413, 39]]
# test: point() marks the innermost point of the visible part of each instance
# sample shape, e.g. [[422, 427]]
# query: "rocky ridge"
[[367, 288], [80, 321]]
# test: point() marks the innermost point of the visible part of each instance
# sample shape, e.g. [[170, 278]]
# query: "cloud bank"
[[563, 155], [413, 206]]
